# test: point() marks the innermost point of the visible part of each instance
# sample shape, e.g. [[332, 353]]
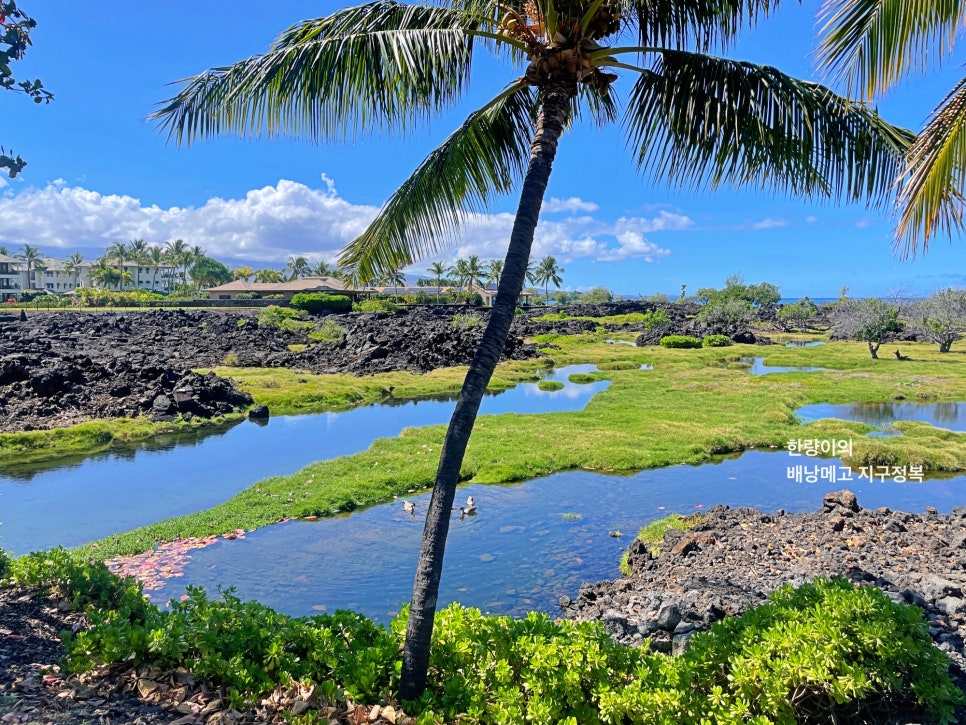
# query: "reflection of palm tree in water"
[[885, 413], [873, 412], [946, 412]]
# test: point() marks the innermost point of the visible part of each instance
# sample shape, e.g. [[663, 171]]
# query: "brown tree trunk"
[[552, 117]]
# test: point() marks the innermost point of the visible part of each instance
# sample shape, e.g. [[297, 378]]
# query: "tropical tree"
[[297, 267], [245, 273], [460, 273], [268, 276], [180, 256], [103, 274], [871, 320], [154, 258], [693, 118], [548, 271], [941, 317], [31, 257], [72, 266], [118, 251], [394, 277], [208, 272], [869, 46], [474, 271], [324, 269], [493, 269], [4, 251], [438, 270]]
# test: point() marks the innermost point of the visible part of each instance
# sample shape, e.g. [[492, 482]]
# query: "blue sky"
[[98, 172]]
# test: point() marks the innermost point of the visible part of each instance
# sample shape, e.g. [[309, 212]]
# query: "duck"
[[409, 507], [469, 509]]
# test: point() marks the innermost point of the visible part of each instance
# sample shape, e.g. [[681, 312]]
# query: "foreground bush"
[[316, 302], [680, 341], [716, 341], [825, 652], [281, 318], [376, 305]]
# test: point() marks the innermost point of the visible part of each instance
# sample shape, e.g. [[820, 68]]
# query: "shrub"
[[716, 341], [4, 564], [463, 322], [550, 385], [583, 378], [281, 318], [680, 341], [230, 360], [316, 302], [328, 332], [376, 305], [655, 318]]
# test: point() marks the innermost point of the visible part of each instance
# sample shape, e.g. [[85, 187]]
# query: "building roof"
[[305, 284]]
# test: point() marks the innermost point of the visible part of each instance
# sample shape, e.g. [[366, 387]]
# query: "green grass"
[[550, 385], [687, 410]]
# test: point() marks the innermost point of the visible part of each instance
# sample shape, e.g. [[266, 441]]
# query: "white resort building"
[[52, 275]]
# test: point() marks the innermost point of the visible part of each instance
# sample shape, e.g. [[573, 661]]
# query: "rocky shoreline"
[[731, 559]]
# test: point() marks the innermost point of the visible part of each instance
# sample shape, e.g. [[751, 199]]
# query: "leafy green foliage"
[[321, 302], [941, 317], [376, 305], [825, 650], [729, 314], [871, 320], [797, 314], [96, 297], [597, 295], [281, 318], [653, 319], [328, 331], [680, 341], [208, 272], [4, 564], [464, 322], [716, 341]]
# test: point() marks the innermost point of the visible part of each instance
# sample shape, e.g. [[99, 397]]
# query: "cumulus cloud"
[[270, 224], [769, 224], [573, 204]]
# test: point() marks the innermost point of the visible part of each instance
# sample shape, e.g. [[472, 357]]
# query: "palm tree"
[[103, 275], [474, 272], [297, 267], [870, 45], [245, 273], [460, 271], [693, 118], [324, 269], [4, 251], [394, 277], [178, 255], [268, 275], [31, 258], [118, 251], [437, 269], [547, 272], [137, 252], [155, 258], [72, 265], [493, 271]]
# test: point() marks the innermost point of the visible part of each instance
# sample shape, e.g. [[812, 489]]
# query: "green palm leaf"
[[747, 124], [482, 158], [700, 24], [931, 200], [868, 45], [382, 65]]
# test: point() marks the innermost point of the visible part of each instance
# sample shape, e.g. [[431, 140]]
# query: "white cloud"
[[769, 224], [573, 204], [268, 225]]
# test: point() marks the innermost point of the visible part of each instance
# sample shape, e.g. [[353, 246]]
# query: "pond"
[[528, 545], [804, 343], [71, 504], [948, 415], [758, 367]]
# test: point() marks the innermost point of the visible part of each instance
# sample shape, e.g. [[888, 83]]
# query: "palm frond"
[[931, 199], [868, 45], [697, 24], [700, 121], [602, 107], [383, 65], [482, 158]]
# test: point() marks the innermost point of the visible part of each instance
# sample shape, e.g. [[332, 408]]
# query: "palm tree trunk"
[[554, 108]]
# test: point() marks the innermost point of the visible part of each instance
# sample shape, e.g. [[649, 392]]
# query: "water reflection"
[[529, 544], [758, 367], [46, 506], [951, 415], [804, 343]]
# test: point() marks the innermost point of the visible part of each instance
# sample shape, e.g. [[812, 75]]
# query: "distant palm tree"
[[118, 251], [461, 272], [474, 271], [324, 269], [437, 269], [179, 256], [4, 251], [394, 277], [297, 267], [155, 258], [548, 271], [72, 266], [493, 271], [244, 273], [268, 276], [103, 274], [31, 257]]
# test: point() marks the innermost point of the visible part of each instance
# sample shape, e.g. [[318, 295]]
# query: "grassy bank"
[[688, 409]]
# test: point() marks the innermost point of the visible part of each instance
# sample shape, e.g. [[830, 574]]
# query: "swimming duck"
[[469, 509], [409, 507]]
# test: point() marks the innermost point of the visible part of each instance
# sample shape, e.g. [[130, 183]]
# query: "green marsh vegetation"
[[688, 409]]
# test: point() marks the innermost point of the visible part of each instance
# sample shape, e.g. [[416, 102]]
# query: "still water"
[[528, 545], [948, 415], [71, 504]]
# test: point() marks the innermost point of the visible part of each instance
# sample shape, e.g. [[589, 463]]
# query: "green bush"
[[655, 318], [824, 652], [376, 305], [4, 564], [550, 385], [328, 331], [281, 318], [316, 302], [716, 341], [680, 341], [463, 322], [583, 378]]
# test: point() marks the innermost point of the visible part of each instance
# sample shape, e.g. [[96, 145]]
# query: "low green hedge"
[[316, 302], [680, 341], [716, 341]]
